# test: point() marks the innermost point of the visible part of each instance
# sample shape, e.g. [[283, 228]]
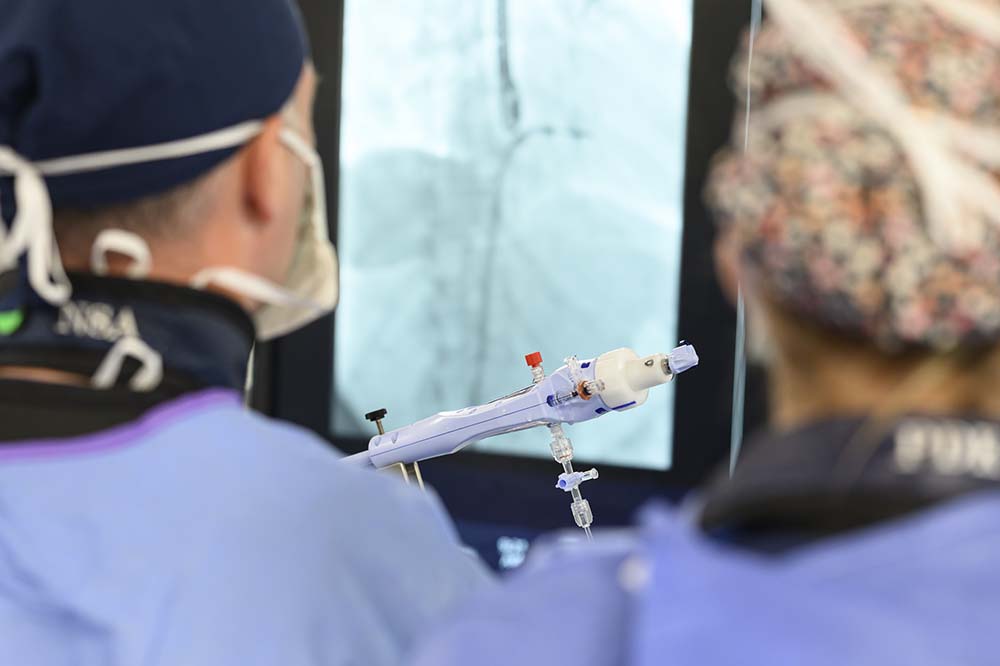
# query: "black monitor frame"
[[294, 378]]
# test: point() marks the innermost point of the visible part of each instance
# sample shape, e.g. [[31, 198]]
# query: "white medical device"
[[578, 391]]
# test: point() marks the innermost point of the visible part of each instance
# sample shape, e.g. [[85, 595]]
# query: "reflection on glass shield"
[[511, 180], [740, 360]]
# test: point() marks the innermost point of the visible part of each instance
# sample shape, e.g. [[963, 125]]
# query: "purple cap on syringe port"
[[682, 359]]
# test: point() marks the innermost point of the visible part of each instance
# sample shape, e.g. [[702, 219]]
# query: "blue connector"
[[572, 480]]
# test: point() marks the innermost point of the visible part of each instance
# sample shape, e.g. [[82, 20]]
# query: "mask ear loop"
[[124, 243], [308, 154], [151, 373], [250, 285], [31, 231], [144, 381]]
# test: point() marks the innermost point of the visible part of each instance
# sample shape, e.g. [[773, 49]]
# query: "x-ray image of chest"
[[511, 181]]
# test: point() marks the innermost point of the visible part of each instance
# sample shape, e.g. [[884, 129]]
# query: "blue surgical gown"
[[203, 534], [919, 591]]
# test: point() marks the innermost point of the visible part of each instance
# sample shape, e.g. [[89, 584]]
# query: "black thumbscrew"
[[376, 417]]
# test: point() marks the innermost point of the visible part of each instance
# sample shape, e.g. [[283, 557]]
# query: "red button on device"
[[533, 360]]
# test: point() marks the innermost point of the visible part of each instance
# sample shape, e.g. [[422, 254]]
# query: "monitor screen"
[[511, 181]]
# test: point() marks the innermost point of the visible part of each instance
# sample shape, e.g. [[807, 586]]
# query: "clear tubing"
[[582, 514], [562, 448], [562, 398]]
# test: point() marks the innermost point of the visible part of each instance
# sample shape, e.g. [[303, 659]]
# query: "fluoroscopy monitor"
[[511, 181]]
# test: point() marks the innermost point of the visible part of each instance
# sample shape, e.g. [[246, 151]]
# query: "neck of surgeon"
[[816, 374]]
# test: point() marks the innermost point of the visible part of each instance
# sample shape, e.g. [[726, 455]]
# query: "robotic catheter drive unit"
[[578, 391]]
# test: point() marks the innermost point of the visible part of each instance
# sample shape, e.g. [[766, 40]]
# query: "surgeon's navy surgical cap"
[[85, 76]]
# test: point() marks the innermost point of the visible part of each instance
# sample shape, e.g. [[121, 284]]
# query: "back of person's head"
[[185, 124], [864, 206]]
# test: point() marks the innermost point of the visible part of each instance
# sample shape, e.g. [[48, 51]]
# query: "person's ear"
[[265, 174], [727, 264]]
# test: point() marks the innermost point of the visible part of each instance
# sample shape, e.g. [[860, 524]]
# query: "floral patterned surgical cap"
[[826, 204]]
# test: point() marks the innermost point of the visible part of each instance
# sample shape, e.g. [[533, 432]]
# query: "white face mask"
[[310, 289]]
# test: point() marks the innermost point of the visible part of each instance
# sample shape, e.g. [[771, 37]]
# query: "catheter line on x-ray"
[[510, 111]]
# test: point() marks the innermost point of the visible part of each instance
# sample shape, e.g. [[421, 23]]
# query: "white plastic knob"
[[646, 373], [628, 378]]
